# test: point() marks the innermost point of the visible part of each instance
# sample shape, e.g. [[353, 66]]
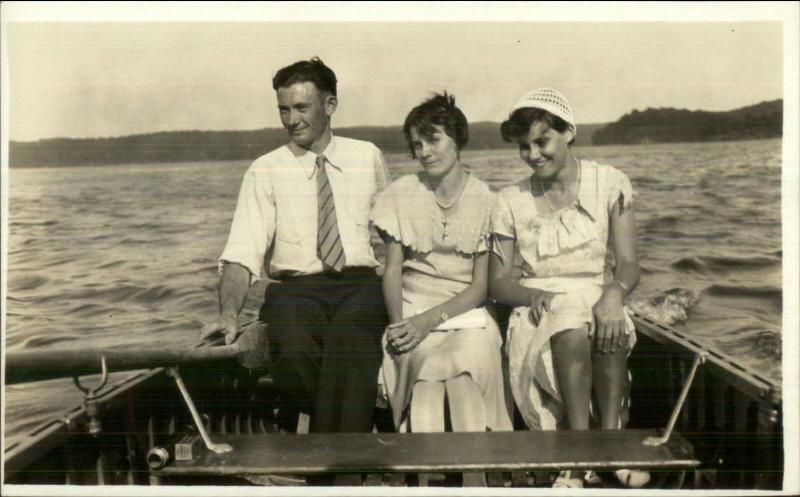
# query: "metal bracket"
[[699, 359], [90, 394], [218, 448]]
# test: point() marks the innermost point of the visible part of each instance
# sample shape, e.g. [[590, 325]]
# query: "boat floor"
[[292, 454]]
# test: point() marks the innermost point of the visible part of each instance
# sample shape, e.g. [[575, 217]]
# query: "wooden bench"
[[439, 452]]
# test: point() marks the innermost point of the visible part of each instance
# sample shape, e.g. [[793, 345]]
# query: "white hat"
[[548, 99]]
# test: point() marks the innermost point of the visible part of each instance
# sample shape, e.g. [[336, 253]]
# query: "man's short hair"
[[314, 71]]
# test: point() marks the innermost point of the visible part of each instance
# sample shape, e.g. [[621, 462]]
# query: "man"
[[303, 209]]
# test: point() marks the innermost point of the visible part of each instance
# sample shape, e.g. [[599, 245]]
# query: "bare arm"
[[503, 288], [393, 280], [623, 231], [608, 312], [233, 287], [252, 231]]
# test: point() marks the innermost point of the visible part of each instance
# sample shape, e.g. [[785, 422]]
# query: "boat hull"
[[732, 417]]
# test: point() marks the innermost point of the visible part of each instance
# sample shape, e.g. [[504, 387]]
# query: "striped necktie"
[[329, 244]]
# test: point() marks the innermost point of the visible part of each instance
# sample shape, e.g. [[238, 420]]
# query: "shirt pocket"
[[294, 249]]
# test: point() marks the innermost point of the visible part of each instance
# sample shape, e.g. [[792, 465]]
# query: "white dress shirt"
[[276, 214]]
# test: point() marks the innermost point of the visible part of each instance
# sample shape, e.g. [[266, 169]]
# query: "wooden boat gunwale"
[[764, 391], [755, 385]]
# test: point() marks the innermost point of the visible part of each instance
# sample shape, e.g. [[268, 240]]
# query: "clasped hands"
[[404, 335], [608, 329]]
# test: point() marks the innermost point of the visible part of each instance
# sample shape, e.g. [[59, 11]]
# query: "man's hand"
[[225, 326]]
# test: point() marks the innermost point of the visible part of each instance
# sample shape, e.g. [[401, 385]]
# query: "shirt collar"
[[331, 159], [588, 194]]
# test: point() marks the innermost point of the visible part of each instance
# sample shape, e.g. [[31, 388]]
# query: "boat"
[[212, 417]]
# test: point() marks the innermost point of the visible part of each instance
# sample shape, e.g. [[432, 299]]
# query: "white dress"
[[437, 265], [564, 251]]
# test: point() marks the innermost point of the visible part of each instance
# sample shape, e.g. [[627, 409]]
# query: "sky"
[[113, 78]]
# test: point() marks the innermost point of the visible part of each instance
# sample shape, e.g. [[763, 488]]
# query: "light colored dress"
[[438, 258], [565, 251]]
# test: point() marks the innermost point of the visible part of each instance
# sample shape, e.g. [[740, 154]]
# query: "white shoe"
[[633, 478], [592, 478], [566, 480]]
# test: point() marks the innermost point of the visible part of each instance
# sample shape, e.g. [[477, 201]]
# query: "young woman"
[[568, 333], [441, 342]]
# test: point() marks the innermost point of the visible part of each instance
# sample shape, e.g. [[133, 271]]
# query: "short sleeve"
[[385, 216], [253, 225], [620, 190], [502, 221], [382, 177]]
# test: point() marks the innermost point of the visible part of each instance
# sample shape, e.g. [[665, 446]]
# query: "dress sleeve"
[[253, 226], [620, 190], [385, 216], [485, 232], [501, 220]]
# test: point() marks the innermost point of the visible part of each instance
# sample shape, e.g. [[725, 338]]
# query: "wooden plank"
[[419, 452]]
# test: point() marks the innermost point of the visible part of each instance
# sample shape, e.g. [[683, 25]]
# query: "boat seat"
[[437, 452]]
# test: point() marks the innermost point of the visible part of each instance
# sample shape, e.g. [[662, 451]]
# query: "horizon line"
[[357, 126]]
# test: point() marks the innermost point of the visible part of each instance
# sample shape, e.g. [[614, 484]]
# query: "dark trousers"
[[325, 343]]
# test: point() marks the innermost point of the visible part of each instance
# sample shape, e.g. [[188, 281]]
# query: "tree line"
[[668, 125], [763, 120]]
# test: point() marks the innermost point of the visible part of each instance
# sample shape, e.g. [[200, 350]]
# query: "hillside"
[[667, 125], [180, 146], [763, 120]]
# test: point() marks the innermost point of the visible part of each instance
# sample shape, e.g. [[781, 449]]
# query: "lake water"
[[117, 256]]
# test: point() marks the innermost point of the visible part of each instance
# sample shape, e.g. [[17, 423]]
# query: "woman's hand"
[[407, 334], [609, 328], [540, 303]]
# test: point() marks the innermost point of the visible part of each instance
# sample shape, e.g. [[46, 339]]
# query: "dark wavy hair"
[[314, 71], [438, 110], [519, 123]]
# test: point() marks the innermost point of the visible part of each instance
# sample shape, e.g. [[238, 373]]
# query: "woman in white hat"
[[572, 223]]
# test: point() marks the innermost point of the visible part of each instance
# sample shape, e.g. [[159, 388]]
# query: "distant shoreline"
[[664, 125], [467, 151]]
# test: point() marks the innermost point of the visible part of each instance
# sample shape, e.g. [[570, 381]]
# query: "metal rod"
[[219, 448], [100, 469], [699, 358]]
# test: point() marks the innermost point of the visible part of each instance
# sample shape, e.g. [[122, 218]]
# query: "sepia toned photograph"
[[418, 247]]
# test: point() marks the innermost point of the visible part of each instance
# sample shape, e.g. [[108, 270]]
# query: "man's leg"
[[294, 320], [351, 356]]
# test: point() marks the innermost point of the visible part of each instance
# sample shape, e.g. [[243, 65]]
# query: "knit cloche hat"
[[548, 99]]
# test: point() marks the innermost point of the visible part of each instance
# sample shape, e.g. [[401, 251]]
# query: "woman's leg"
[[427, 413], [427, 407], [572, 362], [610, 372], [467, 413], [467, 410]]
